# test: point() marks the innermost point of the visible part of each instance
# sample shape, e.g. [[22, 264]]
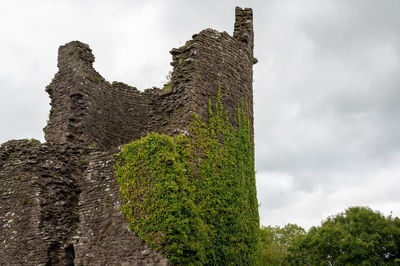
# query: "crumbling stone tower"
[[59, 202]]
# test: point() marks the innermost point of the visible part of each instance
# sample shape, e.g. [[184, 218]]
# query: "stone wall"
[[213, 61], [59, 200], [102, 236], [86, 109], [39, 202]]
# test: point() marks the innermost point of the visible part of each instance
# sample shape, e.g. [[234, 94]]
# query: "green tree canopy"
[[358, 236], [275, 241]]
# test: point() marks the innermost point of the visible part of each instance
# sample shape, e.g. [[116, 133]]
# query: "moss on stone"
[[167, 86]]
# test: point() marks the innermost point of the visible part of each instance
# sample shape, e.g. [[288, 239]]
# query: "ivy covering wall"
[[193, 196]]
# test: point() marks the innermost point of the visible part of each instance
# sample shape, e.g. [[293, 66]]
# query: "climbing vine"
[[193, 197]]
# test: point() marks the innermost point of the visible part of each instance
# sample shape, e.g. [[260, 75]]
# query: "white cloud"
[[287, 203]]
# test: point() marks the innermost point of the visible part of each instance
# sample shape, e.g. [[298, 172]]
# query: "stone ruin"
[[59, 201]]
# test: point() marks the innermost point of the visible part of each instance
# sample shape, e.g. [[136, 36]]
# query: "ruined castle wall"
[[86, 109], [221, 63], [19, 212], [39, 196], [59, 200], [214, 61], [89, 111], [102, 236], [60, 206]]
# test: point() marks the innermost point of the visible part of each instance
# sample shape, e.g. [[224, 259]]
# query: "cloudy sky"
[[327, 99]]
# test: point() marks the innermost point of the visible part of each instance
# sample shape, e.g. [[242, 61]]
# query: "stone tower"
[[59, 202]]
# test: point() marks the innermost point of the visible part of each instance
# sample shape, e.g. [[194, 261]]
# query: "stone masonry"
[[59, 201]]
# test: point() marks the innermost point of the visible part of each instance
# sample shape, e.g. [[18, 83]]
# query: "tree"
[[275, 242], [358, 236]]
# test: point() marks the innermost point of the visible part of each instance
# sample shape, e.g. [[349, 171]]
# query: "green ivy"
[[193, 197], [167, 86]]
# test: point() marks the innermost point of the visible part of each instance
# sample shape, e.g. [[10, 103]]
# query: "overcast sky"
[[326, 87]]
